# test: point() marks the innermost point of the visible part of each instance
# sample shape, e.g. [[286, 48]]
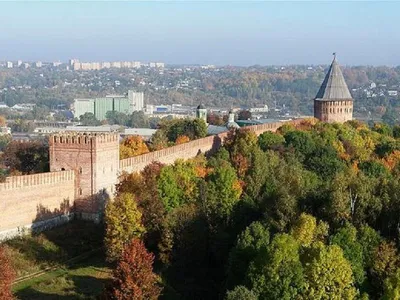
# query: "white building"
[[39, 64], [9, 65], [19, 63]]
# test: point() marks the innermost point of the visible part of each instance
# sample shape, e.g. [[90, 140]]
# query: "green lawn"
[[82, 281]]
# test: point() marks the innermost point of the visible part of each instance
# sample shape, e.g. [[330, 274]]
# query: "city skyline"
[[220, 33]]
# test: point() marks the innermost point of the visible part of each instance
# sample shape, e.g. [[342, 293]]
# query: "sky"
[[203, 32]]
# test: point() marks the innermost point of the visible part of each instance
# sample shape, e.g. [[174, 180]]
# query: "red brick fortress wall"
[[38, 198]]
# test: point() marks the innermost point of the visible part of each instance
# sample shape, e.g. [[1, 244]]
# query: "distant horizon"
[[201, 33]]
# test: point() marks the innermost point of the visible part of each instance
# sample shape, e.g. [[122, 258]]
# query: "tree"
[[222, 192], [301, 142], [132, 146], [177, 184], [182, 139], [123, 222], [89, 119], [134, 278], [138, 120], [385, 261], [277, 273], [389, 117], [353, 198], [240, 293], [254, 239], [270, 140], [391, 289], [159, 141], [346, 238], [369, 240], [328, 274], [306, 230], [3, 121], [7, 275], [5, 139], [27, 157], [244, 115], [115, 117]]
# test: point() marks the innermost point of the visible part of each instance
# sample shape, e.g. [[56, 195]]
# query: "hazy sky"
[[235, 33]]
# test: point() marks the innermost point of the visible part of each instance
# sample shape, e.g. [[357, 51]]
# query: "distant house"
[[392, 93]]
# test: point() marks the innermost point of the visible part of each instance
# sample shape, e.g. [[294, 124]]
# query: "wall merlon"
[[24, 181]]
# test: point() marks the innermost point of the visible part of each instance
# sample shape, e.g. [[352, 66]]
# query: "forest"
[[308, 212]]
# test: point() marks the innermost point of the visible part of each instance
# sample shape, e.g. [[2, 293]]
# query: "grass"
[[33, 253], [69, 279], [81, 281]]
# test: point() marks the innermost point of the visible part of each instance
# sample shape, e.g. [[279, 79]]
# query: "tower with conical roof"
[[333, 102]]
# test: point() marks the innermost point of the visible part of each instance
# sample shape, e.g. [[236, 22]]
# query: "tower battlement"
[[83, 138]]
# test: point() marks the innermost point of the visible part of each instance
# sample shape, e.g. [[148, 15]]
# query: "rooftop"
[[334, 86]]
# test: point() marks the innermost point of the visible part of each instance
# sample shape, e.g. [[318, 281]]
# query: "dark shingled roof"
[[334, 86], [200, 106]]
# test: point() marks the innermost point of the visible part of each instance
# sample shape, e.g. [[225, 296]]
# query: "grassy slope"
[[82, 279]]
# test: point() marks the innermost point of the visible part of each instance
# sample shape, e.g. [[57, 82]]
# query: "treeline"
[[309, 212]]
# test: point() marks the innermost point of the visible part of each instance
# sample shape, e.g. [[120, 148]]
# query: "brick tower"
[[95, 160], [333, 102]]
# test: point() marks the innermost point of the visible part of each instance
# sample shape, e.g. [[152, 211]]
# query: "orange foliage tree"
[[7, 275], [182, 139], [134, 278], [132, 146]]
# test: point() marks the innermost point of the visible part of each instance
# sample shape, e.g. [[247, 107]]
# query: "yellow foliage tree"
[[132, 146], [123, 222], [2, 121]]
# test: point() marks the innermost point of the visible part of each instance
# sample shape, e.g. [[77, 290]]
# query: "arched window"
[[80, 191], [80, 170], [62, 169]]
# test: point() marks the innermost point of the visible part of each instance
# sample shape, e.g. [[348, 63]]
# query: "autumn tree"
[[306, 230], [3, 121], [7, 275], [143, 186], [133, 277], [132, 146], [182, 139], [123, 222], [385, 261]]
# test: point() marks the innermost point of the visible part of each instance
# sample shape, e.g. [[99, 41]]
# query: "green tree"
[[346, 238], [250, 242], [123, 222], [178, 184], [223, 191], [138, 120], [270, 140], [391, 289], [328, 274], [89, 119], [240, 293], [278, 273], [369, 240]]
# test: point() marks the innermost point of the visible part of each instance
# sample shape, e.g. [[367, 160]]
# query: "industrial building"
[[126, 104]]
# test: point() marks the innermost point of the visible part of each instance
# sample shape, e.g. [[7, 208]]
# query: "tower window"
[[80, 170]]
